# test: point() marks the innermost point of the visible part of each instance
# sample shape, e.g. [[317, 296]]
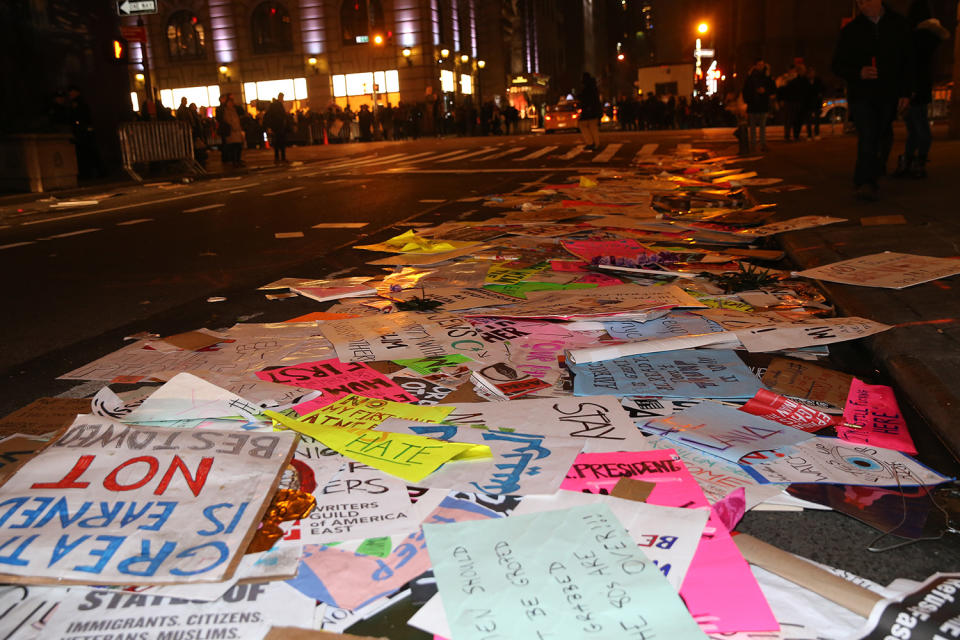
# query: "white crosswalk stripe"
[[363, 161], [502, 154], [464, 156], [646, 151], [573, 153], [610, 150], [536, 154]]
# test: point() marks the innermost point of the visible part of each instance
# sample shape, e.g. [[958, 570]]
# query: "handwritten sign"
[[803, 222], [428, 392], [427, 366], [367, 413], [808, 382], [888, 270], [335, 380], [739, 605], [668, 326], [44, 415], [520, 577], [873, 408], [598, 421], [109, 503], [407, 334], [521, 463], [808, 333], [835, 461], [714, 373], [410, 457], [591, 250], [724, 431]]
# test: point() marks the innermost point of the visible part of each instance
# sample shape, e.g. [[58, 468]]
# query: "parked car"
[[564, 115], [834, 110]]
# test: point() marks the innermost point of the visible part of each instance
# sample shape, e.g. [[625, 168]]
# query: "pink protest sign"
[[590, 250], [577, 266], [873, 408], [335, 380], [773, 406], [600, 279], [719, 589]]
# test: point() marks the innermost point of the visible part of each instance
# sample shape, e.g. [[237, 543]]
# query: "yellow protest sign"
[[409, 457], [409, 242], [366, 413]]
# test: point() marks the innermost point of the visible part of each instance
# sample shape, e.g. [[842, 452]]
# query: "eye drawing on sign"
[[860, 462]]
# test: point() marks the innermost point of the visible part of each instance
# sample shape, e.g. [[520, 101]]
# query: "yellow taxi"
[[562, 116]]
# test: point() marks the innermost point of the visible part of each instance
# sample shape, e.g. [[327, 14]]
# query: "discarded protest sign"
[[803, 222], [367, 413], [44, 415], [772, 406], [109, 503], [836, 461], [808, 382], [335, 380], [879, 423], [888, 269], [514, 575], [714, 373], [724, 431], [930, 612], [805, 334]]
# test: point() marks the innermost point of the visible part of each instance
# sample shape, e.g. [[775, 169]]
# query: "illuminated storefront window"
[[448, 82], [266, 90], [466, 84], [135, 101], [359, 84], [201, 96]]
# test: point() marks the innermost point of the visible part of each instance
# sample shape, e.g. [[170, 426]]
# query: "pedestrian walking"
[[230, 131], [277, 122], [874, 56], [590, 111], [926, 36], [757, 91]]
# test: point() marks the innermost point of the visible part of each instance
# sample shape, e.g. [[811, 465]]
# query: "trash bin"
[[37, 162]]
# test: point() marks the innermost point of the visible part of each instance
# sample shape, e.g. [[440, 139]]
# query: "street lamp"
[[702, 28], [444, 53], [464, 58], [407, 52]]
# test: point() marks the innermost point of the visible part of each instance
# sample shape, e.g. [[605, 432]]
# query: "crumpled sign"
[[409, 457], [409, 242]]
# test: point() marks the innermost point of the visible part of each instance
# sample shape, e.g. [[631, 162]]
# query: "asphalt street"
[[148, 258]]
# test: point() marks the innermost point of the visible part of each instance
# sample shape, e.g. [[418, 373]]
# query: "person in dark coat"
[[365, 121], [927, 35], [277, 123], [757, 91], [875, 56], [590, 112], [812, 103]]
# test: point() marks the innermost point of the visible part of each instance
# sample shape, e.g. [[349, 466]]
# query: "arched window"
[[271, 29], [355, 20], [185, 36]]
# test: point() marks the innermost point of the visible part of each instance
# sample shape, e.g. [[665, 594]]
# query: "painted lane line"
[[282, 191], [359, 162], [573, 153], [289, 234], [204, 208], [15, 244], [239, 191], [70, 234], [536, 154], [397, 170], [608, 152], [132, 222], [646, 151]]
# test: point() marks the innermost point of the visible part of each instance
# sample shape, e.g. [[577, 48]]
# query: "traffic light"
[[119, 51]]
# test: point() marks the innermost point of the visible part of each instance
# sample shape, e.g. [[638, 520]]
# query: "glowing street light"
[[703, 27], [620, 57]]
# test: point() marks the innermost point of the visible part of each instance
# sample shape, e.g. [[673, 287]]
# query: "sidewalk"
[[922, 352]]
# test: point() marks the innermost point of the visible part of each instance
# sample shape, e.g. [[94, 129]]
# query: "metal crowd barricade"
[[145, 142]]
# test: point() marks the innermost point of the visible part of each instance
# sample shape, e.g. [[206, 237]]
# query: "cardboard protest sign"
[[245, 611], [519, 464], [713, 373], [367, 413], [668, 536], [808, 382], [349, 580], [809, 333], [675, 323], [187, 397], [598, 422], [724, 431], [109, 503], [335, 380], [427, 366], [410, 457], [537, 355], [44, 415], [18, 447], [590, 250], [409, 335], [803, 222], [508, 275], [772, 406], [873, 409], [514, 576], [739, 605], [427, 392], [457, 299], [836, 461], [888, 270]]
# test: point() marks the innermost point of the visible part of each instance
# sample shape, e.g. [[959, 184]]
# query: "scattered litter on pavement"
[[543, 419]]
